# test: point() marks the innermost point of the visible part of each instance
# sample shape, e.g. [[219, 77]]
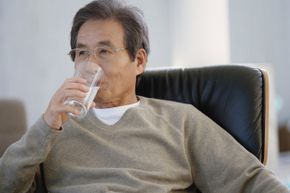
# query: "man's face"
[[118, 85]]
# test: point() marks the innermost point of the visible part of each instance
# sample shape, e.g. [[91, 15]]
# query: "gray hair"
[[131, 18]]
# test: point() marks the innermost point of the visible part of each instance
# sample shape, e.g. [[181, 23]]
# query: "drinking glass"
[[92, 73]]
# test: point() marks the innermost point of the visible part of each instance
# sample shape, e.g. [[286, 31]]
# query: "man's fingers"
[[66, 108], [76, 86], [76, 80], [93, 105], [70, 94]]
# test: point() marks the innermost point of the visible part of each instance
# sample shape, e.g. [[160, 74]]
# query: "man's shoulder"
[[165, 104], [176, 113]]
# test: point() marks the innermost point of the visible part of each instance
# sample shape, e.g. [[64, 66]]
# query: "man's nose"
[[92, 58]]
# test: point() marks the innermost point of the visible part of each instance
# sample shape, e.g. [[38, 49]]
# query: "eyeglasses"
[[104, 53]]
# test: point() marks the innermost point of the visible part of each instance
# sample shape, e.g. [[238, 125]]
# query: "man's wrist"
[[52, 126]]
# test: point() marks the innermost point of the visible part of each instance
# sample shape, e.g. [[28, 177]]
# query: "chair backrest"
[[13, 122], [235, 97]]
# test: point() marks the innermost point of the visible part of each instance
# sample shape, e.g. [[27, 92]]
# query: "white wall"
[[260, 33], [200, 32]]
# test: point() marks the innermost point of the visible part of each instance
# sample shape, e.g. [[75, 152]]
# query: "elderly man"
[[126, 143]]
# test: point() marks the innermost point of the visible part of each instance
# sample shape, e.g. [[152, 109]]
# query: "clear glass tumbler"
[[93, 74]]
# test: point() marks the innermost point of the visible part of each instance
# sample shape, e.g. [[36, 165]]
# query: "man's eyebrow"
[[101, 43], [105, 43], [80, 45]]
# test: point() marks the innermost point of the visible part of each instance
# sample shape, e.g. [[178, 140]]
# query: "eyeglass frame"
[[72, 52]]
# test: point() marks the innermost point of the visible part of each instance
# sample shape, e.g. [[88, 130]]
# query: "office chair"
[[235, 97]]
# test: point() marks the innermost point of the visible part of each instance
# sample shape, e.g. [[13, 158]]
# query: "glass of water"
[[92, 73]]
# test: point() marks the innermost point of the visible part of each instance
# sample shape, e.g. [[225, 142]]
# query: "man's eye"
[[104, 51], [82, 52]]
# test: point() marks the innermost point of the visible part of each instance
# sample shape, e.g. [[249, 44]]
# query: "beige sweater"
[[157, 147]]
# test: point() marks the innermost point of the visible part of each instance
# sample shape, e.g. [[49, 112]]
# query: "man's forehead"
[[104, 32]]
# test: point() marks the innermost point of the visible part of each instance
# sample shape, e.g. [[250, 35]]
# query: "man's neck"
[[115, 102]]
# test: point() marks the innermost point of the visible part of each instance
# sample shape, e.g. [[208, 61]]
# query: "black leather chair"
[[235, 97]]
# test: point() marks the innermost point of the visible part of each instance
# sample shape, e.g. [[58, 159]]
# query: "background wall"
[[199, 32], [260, 33]]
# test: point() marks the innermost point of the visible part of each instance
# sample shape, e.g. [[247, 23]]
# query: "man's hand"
[[56, 112]]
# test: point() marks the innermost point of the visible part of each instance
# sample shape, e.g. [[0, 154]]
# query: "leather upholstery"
[[232, 96]]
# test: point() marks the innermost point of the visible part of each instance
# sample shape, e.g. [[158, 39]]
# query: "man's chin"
[[105, 100]]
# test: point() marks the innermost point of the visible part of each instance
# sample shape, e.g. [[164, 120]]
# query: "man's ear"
[[141, 61]]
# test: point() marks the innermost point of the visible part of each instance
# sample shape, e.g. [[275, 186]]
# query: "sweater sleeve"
[[20, 161], [221, 165]]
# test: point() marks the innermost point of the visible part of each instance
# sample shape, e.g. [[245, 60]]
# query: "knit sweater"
[[157, 147]]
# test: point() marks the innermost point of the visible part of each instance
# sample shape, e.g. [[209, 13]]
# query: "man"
[[126, 143]]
